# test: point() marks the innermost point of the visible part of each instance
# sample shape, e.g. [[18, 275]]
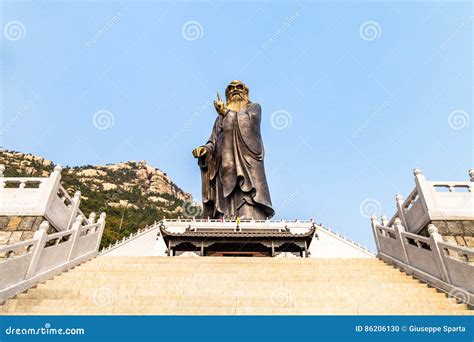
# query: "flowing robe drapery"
[[232, 170]]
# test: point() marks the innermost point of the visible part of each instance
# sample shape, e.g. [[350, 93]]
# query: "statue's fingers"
[[218, 97]]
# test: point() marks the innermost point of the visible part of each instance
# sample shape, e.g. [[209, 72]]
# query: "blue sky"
[[360, 92]]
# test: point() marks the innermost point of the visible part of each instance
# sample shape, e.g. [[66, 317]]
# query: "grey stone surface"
[[19, 228], [27, 223], [460, 232], [3, 222]]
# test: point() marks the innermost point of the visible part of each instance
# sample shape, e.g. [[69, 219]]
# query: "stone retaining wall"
[[454, 231], [18, 228]]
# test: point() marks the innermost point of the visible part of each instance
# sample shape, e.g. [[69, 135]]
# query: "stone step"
[[148, 310], [413, 294], [125, 301], [233, 260], [242, 280], [222, 286], [242, 285], [327, 294]]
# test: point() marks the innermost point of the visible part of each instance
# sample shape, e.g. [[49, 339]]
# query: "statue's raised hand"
[[199, 151], [220, 106]]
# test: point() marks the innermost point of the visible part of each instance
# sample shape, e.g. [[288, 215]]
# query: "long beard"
[[239, 104]]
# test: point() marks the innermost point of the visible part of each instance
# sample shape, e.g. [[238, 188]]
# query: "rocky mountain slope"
[[132, 193]]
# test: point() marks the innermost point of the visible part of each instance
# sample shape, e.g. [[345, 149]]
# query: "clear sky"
[[360, 92]]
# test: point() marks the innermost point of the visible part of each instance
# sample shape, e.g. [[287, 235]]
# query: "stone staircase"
[[230, 286]]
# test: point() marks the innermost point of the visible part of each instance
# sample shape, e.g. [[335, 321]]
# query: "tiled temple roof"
[[244, 232]]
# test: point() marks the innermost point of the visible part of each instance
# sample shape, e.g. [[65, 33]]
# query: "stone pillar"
[[51, 190], [373, 220], [399, 228], [76, 200], [401, 211], [424, 193], [92, 217], [435, 237], [75, 235], [101, 229], [40, 238]]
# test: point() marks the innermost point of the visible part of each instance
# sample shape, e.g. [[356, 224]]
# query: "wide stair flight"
[[232, 286]]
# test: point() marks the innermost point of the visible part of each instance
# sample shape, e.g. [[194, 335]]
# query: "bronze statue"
[[232, 169]]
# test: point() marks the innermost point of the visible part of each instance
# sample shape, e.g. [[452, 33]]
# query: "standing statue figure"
[[232, 169]]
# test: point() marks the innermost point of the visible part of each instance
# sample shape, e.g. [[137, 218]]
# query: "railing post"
[[101, 230], [40, 236], [401, 210], [2, 183], [373, 220], [435, 237], [399, 228], [75, 235], [51, 190], [76, 201], [424, 192], [92, 217]]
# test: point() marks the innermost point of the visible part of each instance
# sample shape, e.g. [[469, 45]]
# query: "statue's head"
[[237, 94]]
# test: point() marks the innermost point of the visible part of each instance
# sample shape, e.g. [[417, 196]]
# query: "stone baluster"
[[399, 229], [101, 221], [424, 192], [435, 237], [76, 200], [2, 182], [77, 197], [22, 184], [75, 235], [92, 217], [40, 236], [373, 220], [401, 210], [50, 188]]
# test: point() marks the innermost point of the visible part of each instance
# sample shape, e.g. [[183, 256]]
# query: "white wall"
[[329, 245]]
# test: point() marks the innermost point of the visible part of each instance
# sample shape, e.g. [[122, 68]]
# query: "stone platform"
[[274, 236]]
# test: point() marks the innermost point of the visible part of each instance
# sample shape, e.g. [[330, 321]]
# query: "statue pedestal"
[[188, 237]]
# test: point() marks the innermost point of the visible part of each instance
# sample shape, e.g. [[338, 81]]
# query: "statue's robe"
[[233, 174]]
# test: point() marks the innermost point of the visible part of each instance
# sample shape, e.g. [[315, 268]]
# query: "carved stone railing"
[[127, 239], [435, 200], [26, 263], [39, 196], [219, 224], [445, 266]]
